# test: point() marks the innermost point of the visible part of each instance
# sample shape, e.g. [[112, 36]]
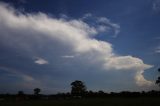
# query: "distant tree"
[[101, 92], [158, 79], [78, 88], [20, 93], [37, 91]]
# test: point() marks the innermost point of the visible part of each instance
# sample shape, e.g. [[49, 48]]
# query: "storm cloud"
[[56, 51]]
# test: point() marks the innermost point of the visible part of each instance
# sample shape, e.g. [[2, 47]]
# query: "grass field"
[[87, 102]]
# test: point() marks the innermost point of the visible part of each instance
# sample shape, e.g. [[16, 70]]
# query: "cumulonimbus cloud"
[[75, 33]]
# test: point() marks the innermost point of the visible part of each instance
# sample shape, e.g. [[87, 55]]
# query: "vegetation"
[[37, 91], [78, 88], [79, 96], [158, 79]]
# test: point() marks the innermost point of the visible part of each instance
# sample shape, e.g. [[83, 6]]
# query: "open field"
[[114, 101]]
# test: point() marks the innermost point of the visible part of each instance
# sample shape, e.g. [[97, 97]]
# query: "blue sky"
[[111, 45]]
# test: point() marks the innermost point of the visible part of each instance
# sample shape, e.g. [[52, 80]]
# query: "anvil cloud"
[[73, 38]]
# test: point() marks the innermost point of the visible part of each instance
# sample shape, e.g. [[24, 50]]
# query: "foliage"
[[78, 88], [20, 93], [158, 79], [37, 91]]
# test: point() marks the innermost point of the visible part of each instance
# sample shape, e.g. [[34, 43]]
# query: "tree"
[[78, 88], [37, 91], [158, 79], [20, 93]]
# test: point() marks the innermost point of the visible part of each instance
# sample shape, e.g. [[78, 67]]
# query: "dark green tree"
[[37, 91], [78, 88], [158, 79]]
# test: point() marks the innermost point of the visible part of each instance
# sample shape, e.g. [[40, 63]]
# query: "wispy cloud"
[[41, 61], [156, 5], [17, 73], [67, 56], [103, 24], [157, 50], [26, 81], [86, 16], [107, 22]]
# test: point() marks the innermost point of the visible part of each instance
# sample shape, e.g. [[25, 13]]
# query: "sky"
[[110, 45]]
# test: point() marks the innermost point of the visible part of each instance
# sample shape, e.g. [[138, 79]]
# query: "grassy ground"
[[87, 102]]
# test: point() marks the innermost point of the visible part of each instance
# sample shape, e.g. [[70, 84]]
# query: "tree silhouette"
[[20, 93], [158, 79], [37, 91], [78, 88]]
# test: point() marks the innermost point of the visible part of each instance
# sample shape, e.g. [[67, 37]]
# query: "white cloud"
[[67, 56], [40, 61], [129, 63], [141, 81], [75, 34], [126, 63]]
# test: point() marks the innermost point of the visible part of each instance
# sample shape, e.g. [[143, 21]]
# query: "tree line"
[[79, 90]]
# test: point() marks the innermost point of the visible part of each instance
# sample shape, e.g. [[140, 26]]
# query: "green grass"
[[87, 102]]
